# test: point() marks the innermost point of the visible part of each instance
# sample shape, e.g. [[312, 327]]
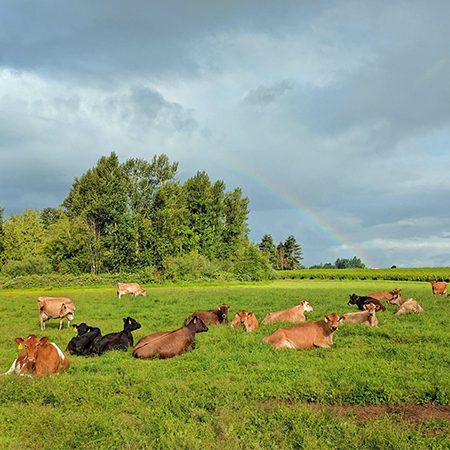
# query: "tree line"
[[125, 217]]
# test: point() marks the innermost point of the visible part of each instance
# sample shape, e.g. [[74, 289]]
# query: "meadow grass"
[[232, 391]]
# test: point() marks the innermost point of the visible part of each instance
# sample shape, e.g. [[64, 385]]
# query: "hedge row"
[[416, 274]]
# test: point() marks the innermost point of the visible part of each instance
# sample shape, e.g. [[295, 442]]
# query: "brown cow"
[[295, 314], [39, 358], [439, 287], [367, 317], [246, 320], [167, 344], [306, 335], [130, 288], [399, 301], [410, 306], [212, 316], [386, 295], [55, 308]]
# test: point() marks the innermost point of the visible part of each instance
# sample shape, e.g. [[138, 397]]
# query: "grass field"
[[385, 387]]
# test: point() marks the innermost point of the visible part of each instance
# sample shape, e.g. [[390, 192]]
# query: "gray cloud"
[[333, 117]]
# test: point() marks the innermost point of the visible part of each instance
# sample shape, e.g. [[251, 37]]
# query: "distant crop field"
[[385, 387]]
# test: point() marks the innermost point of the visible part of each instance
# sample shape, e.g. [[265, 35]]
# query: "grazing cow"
[[360, 301], [130, 288], [55, 308], [386, 295], [439, 287], [295, 314], [212, 316], [167, 344], [117, 341], [367, 317], [82, 344], [409, 306], [246, 320], [39, 358], [306, 335]]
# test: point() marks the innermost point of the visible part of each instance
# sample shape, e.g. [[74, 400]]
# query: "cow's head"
[[83, 328], [306, 306], [352, 300], [143, 292], [371, 307], [332, 321], [197, 325], [396, 292], [224, 312], [129, 324], [239, 318], [31, 345], [66, 310]]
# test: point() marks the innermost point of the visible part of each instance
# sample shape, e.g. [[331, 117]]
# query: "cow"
[[167, 344], [409, 306], [386, 295], [117, 341], [294, 314], [39, 358], [306, 335], [55, 308], [130, 288], [216, 316], [399, 301], [366, 317], [245, 319], [360, 301], [439, 287], [82, 344]]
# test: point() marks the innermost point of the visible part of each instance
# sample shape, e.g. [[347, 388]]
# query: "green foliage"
[[233, 391], [342, 263], [268, 247], [289, 254], [34, 265]]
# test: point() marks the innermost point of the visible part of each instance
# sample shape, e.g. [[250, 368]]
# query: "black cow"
[[82, 343], [117, 341], [360, 301]]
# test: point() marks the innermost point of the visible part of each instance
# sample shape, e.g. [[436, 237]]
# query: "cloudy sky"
[[333, 116]]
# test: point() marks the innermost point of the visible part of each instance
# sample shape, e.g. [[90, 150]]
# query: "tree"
[[345, 263], [289, 254], [268, 247], [1, 234]]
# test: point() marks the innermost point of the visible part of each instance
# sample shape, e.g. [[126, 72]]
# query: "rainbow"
[[307, 213]]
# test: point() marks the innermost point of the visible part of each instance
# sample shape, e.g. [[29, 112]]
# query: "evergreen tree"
[[268, 247]]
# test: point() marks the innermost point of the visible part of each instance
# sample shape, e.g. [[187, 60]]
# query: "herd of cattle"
[[43, 358]]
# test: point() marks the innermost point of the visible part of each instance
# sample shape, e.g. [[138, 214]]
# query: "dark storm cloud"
[[339, 108]]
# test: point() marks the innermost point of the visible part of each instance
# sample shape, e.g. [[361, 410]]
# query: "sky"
[[332, 116]]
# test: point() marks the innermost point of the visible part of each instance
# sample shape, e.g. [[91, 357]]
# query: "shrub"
[[35, 265]]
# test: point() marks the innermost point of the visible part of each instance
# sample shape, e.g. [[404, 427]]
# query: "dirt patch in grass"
[[409, 412]]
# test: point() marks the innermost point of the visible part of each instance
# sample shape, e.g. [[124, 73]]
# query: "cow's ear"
[[194, 319], [341, 318], [326, 318], [20, 342], [43, 340]]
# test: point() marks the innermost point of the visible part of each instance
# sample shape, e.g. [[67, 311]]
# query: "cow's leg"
[[61, 323], [321, 345], [42, 324], [11, 369]]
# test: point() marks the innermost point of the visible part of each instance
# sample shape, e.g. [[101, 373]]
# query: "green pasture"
[[232, 391]]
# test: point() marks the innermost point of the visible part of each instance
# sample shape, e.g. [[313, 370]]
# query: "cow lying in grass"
[[216, 316], [294, 314], [39, 358], [366, 317], [360, 301], [409, 306], [83, 343], [117, 341], [386, 295], [167, 344], [245, 319], [306, 335]]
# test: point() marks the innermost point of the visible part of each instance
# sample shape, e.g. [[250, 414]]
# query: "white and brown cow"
[[38, 358]]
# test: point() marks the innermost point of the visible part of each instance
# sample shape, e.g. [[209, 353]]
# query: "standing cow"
[[439, 287], [130, 288], [55, 308]]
